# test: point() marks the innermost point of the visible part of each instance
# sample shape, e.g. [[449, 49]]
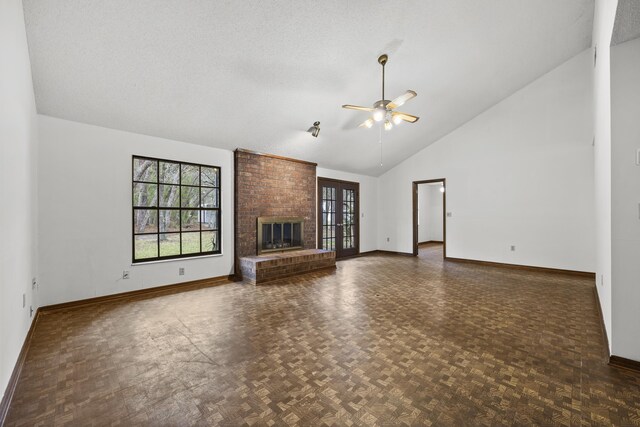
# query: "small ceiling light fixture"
[[315, 129], [379, 112]]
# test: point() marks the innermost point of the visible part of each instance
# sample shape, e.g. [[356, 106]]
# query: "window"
[[176, 209]]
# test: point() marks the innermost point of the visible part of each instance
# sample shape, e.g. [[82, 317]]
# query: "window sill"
[[158, 261]]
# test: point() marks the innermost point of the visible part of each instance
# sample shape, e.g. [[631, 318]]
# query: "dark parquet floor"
[[384, 340]]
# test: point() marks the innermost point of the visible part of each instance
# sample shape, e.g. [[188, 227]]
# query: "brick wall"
[[271, 186]]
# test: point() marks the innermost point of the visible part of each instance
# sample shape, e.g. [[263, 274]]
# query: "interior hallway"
[[384, 340]]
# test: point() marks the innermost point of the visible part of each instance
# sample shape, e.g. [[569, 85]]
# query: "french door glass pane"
[[328, 218], [348, 218]]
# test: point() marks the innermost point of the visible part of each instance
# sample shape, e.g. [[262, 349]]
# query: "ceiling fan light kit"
[[384, 109]]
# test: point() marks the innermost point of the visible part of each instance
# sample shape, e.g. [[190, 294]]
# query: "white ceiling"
[[627, 23], [257, 74]]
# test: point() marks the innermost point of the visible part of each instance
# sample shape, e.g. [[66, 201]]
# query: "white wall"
[[85, 211], [368, 204], [430, 201], [625, 214], [521, 173], [423, 212], [18, 157], [604, 17]]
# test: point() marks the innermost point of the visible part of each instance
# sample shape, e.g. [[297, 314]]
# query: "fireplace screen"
[[279, 234]]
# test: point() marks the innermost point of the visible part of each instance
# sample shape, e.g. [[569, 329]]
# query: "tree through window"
[[176, 209]]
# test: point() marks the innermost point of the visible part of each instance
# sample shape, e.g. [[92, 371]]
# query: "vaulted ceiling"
[[627, 24], [256, 74]]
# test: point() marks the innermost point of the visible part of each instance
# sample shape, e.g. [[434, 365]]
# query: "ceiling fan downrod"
[[382, 60]]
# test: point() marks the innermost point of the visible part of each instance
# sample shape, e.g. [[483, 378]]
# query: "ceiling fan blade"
[[356, 107], [366, 124], [401, 99], [406, 117]]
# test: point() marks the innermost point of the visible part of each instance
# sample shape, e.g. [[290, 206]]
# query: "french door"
[[338, 216]]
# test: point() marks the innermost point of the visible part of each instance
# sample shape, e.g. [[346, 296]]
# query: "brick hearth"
[[265, 268]]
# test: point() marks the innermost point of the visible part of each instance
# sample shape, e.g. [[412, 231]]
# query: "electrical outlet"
[[449, 214], [387, 239], [24, 300], [513, 248], [181, 271], [34, 284], [125, 274]]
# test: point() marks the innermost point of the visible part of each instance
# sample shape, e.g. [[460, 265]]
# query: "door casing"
[[415, 214]]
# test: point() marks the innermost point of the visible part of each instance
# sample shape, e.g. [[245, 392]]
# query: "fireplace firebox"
[[277, 234]]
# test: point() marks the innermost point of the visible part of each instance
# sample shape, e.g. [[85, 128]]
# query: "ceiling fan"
[[385, 109]]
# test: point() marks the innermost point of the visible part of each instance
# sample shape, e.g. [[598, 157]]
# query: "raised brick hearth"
[[271, 186], [265, 268]]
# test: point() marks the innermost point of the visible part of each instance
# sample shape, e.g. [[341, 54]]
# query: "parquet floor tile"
[[382, 341]]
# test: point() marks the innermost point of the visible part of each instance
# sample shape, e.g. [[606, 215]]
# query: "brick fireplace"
[[272, 186]]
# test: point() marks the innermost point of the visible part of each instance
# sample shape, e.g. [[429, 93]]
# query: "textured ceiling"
[[627, 23], [257, 74]]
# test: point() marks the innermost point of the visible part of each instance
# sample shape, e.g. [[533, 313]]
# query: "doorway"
[[338, 216], [429, 214]]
